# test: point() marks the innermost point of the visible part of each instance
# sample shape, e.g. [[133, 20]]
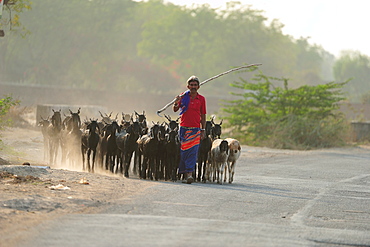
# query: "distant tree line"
[[124, 45]]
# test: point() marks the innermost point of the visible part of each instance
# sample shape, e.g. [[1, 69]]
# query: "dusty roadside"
[[31, 195]]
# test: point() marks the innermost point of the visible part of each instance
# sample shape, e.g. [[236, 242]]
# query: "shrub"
[[5, 104], [301, 118]]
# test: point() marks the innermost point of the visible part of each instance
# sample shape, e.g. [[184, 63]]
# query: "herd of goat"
[[155, 150]]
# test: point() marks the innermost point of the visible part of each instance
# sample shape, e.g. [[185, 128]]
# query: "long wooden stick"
[[204, 82]]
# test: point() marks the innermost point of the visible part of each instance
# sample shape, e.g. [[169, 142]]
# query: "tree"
[[126, 45], [355, 67], [11, 15], [302, 118]]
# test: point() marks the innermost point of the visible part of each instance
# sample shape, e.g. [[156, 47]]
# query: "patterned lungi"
[[189, 140]]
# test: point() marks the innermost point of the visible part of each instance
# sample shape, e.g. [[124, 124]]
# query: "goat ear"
[[221, 121], [136, 113], [70, 111]]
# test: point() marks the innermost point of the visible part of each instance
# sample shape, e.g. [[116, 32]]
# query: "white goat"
[[234, 154], [217, 160]]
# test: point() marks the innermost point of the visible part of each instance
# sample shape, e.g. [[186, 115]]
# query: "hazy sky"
[[334, 24]]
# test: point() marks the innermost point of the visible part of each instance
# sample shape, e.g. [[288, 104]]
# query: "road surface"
[[278, 198]]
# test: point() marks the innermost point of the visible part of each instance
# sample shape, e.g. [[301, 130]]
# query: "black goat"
[[141, 118], [148, 148], [111, 156], [203, 153], [54, 133], [106, 119], [172, 124], [130, 145], [44, 124], [73, 139], [66, 128], [121, 145], [172, 154], [106, 130], [89, 142], [126, 122], [161, 155], [216, 130]]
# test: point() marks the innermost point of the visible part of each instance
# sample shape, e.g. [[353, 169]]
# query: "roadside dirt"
[[31, 195]]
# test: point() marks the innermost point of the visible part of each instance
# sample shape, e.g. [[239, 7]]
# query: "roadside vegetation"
[[271, 114], [5, 105]]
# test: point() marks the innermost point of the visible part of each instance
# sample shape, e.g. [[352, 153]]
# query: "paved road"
[[278, 198]]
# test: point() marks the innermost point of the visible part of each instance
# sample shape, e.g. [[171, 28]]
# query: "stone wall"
[[360, 131]]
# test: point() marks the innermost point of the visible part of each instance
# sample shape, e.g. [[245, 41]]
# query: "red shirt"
[[191, 118]]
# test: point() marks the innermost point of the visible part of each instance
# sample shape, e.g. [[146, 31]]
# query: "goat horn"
[[204, 82]]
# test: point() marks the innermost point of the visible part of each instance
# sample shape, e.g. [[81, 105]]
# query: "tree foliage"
[[5, 104], [278, 116], [354, 66], [125, 45], [11, 15]]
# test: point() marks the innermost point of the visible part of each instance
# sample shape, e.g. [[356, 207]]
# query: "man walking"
[[192, 107]]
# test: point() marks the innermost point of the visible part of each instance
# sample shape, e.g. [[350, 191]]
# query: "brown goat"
[[234, 154], [218, 159]]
